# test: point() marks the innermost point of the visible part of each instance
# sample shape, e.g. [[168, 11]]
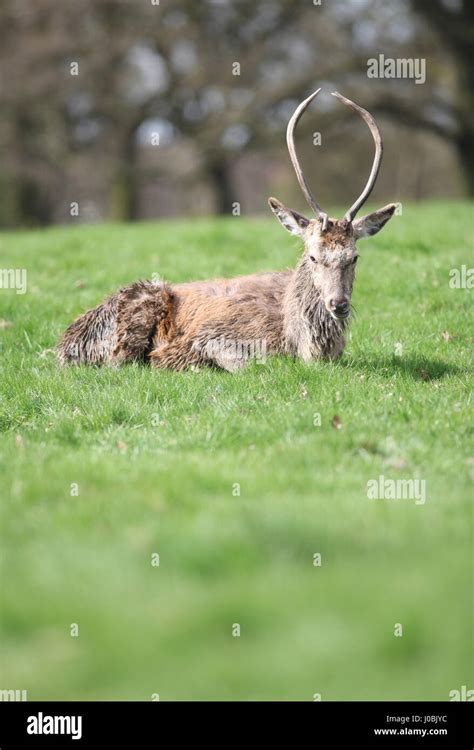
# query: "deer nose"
[[339, 306]]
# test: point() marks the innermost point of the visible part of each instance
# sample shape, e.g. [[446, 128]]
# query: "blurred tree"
[[89, 85]]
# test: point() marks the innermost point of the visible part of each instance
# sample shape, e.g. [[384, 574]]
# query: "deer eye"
[[312, 258], [356, 258]]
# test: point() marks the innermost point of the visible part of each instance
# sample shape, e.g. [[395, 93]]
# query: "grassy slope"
[[164, 483]]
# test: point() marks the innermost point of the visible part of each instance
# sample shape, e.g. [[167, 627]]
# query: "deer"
[[302, 312]]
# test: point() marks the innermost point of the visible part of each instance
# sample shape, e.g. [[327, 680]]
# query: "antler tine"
[[373, 127], [294, 159]]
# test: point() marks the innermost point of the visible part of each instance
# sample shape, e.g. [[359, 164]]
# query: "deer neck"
[[310, 330]]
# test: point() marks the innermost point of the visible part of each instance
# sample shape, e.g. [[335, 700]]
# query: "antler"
[[294, 159], [373, 127], [350, 214]]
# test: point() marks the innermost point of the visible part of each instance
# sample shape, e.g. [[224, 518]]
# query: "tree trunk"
[[465, 149], [223, 187], [123, 202], [455, 26]]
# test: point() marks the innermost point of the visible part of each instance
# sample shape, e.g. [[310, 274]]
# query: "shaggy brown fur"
[[181, 326], [121, 329]]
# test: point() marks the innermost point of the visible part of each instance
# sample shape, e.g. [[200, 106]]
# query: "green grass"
[[156, 456]]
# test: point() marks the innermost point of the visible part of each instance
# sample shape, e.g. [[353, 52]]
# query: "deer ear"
[[368, 225], [293, 222]]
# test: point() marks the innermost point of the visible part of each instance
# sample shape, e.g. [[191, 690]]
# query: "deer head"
[[330, 244]]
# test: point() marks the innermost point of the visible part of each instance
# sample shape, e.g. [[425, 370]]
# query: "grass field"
[[156, 457]]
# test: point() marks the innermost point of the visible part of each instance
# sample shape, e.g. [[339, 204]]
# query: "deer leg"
[[229, 362], [145, 310], [225, 353]]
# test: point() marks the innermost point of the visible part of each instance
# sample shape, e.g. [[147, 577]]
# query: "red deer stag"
[[301, 312]]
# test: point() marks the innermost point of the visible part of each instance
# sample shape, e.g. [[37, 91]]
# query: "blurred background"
[[136, 109]]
